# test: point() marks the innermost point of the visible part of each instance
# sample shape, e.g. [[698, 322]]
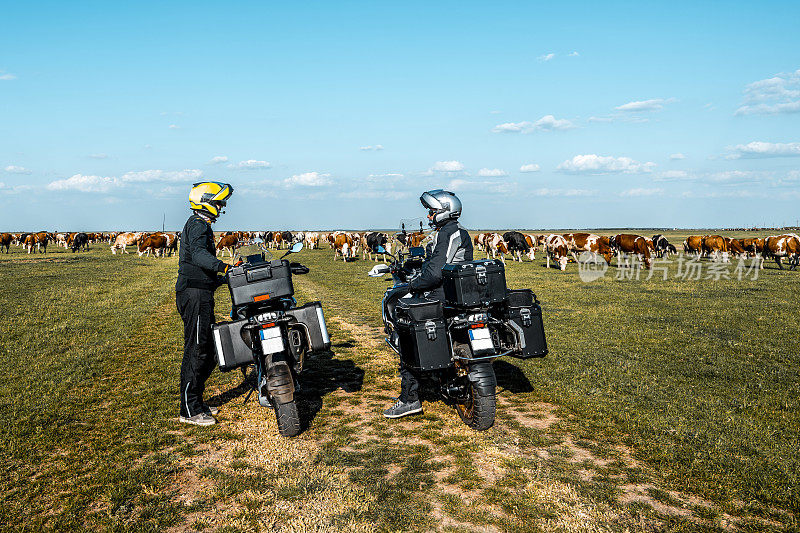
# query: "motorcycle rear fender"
[[280, 382], [481, 375]]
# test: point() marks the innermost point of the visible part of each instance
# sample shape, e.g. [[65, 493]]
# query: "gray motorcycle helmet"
[[444, 206]]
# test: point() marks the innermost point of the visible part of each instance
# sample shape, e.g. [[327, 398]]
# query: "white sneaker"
[[202, 419]]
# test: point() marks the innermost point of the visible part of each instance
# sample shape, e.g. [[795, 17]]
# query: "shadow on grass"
[[323, 374], [511, 378]]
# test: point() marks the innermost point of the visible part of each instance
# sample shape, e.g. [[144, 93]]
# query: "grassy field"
[[663, 406]]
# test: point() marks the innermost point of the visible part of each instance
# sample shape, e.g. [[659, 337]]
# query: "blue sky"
[[338, 114]]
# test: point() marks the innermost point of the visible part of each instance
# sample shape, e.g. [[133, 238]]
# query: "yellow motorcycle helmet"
[[209, 197]]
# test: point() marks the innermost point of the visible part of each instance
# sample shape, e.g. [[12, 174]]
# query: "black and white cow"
[[374, 240], [80, 241], [662, 246], [516, 244], [287, 237]]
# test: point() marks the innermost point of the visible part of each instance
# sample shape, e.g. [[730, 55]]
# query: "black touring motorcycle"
[[269, 331], [455, 341]]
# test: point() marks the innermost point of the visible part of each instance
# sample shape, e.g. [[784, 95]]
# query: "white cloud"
[[561, 192], [482, 186], [736, 177], [98, 156], [82, 183], [104, 184], [492, 172], [642, 192], [375, 148], [546, 123], [2, 185], [447, 166], [530, 167], [546, 57], [654, 104], [308, 179], [250, 164], [174, 127], [217, 159], [777, 95], [375, 195], [7, 76], [677, 156], [596, 164], [600, 119], [150, 176], [14, 169], [673, 175], [573, 54], [757, 149]]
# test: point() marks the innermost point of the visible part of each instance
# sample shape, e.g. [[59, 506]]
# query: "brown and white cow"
[[693, 245], [496, 245], [122, 240], [39, 240], [533, 243], [626, 244], [227, 243], [588, 242], [780, 247], [716, 247], [480, 240], [416, 238], [343, 245], [172, 242], [5, 241], [155, 243], [736, 247], [312, 240], [557, 249]]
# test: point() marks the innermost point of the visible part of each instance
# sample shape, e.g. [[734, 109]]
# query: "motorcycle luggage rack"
[[483, 358]]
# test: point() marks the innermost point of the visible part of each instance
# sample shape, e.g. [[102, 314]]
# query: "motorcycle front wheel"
[[478, 410], [288, 418]]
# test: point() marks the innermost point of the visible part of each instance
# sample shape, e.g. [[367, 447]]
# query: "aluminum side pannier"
[[524, 316], [232, 344]]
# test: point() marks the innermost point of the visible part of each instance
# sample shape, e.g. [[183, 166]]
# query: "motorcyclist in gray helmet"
[[450, 244]]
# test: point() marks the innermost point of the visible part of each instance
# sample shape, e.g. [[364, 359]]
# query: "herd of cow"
[[347, 245], [560, 247]]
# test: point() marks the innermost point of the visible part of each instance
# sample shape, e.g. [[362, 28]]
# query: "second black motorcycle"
[[455, 341]]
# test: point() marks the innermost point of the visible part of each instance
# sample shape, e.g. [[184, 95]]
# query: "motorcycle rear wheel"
[[477, 411], [288, 418]]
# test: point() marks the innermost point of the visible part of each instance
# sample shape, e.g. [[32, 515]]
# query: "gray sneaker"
[[401, 409], [213, 411], [202, 419]]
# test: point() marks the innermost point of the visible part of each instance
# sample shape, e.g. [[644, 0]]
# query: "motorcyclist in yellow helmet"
[[198, 278]]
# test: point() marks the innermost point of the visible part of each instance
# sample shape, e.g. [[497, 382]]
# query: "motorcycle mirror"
[[379, 270], [296, 247]]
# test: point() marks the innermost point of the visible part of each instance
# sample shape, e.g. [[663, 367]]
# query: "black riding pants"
[[196, 307], [409, 385]]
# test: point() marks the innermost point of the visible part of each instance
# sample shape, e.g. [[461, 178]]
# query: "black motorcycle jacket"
[[451, 244], [197, 261]]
